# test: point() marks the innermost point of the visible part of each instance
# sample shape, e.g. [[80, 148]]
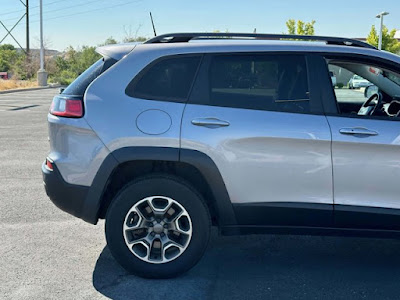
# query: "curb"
[[30, 89]]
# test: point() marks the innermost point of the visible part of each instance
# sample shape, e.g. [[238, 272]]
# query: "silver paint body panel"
[[366, 169], [76, 149], [265, 156], [262, 156]]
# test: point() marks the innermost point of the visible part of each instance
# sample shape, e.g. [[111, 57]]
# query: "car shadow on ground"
[[270, 267]]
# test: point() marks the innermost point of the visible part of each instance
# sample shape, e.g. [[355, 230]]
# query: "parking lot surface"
[[47, 254]]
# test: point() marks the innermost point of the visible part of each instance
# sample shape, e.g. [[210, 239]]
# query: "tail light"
[[67, 107], [49, 164]]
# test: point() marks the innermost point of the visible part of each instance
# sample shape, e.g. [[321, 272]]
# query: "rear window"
[[168, 79], [80, 84]]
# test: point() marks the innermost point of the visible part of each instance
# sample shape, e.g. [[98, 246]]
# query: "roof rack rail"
[[186, 37]]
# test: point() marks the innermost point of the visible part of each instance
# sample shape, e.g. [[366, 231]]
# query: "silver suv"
[[242, 131]]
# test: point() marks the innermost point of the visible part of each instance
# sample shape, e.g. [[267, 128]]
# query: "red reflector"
[[49, 165], [66, 107]]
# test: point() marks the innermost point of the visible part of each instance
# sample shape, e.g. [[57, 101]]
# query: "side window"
[[364, 90], [166, 79], [263, 82]]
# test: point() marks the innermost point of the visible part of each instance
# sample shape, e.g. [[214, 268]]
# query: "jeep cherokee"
[[241, 131]]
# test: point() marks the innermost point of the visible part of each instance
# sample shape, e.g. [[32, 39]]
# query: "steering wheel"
[[371, 105]]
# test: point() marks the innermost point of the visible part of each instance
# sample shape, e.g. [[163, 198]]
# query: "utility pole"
[[380, 16], [27, 28], [42, 74], [9, 31]]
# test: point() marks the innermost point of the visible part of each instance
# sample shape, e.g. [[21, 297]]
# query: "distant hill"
[[48, 52]]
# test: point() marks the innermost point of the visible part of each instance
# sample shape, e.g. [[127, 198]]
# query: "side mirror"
[[61, 90], [370, 90]]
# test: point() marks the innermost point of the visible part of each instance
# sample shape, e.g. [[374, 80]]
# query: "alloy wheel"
[[157, 229]]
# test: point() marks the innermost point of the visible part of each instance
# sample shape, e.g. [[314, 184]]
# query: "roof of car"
[[256, 46], [190, 36], [180, 43]]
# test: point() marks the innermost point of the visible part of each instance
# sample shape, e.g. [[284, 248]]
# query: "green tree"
[[73, 63], [87, 57], [134, 39], [300, 28], [8, 57], [7, 47], [110, 41], [15, 62], [389, 42]]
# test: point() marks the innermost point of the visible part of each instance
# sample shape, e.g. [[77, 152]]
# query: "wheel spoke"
[[175, 218], [182, 223], [159, 204], [172, 250], [140, 249], [177, 237], [133, 220], [173, 213], [172, 243], [156, 250], [135, 234]]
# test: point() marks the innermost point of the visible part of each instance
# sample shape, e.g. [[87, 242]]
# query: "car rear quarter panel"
[[115, 116], [75, 149]]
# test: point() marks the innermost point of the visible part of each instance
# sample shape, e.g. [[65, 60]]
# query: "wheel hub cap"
[[158, 228]]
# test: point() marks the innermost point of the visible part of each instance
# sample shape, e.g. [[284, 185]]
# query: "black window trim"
[[130, 88], [354, 58], [316, 105]]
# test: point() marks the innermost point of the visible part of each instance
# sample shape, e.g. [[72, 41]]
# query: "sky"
[[91, 22]]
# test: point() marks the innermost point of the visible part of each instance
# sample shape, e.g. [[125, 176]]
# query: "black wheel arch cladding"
[[202, 162]]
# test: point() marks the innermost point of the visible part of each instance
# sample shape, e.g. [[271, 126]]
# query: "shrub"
[[65, 77]]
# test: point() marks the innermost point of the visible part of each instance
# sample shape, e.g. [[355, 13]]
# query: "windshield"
[[392, 77]]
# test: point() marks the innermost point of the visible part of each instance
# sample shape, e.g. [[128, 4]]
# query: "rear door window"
[[264, 82], [168, 79]]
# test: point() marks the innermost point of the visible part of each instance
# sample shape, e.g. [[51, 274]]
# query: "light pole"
[[380, 16], [42, 74]]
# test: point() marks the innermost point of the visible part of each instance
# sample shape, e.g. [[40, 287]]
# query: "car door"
[[256, 116], [365, 154]]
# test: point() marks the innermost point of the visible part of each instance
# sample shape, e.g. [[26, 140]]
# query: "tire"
[[136, 199]]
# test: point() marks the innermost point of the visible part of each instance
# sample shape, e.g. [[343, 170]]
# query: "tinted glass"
[[167, 79], [79, 85], [265, 82]]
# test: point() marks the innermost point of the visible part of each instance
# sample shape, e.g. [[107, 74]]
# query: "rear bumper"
[[68, 197]]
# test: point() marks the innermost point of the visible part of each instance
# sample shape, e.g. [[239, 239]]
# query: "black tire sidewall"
[[158, 186]]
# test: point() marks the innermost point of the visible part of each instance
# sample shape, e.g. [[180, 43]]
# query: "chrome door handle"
[[358, 130], [210, 122]]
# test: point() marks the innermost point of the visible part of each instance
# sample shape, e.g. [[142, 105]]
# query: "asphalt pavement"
[[347, 95], [47, 254]]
